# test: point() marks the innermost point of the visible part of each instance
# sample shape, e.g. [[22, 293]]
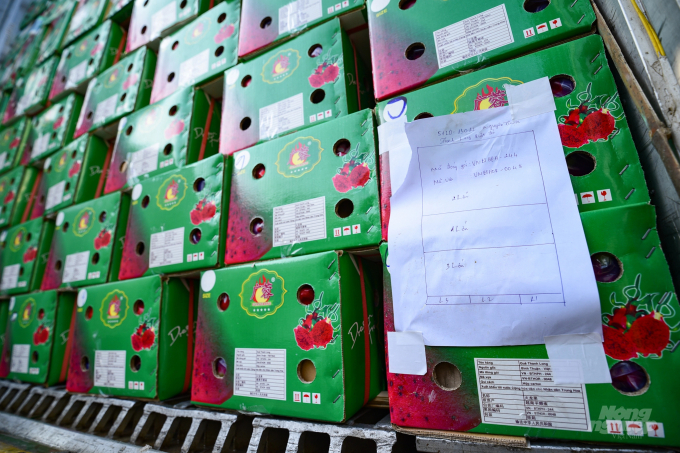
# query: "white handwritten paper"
[[486, 243]]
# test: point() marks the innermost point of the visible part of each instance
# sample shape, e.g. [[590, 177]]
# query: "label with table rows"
[[300, 222], [519, 392], [260, 373]]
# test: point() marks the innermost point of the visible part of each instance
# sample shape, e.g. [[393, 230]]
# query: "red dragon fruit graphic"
[[174, 128], [75, 168], [262, 291], [589, 121], [352, 175], [314, 332], [41, 335], [144, 337], [9, 197], [130, 81], [637, 326], [15, 142], [492, 98], [225, 32], [103, 239], [30, 254], [99, 46], [203, 211], [324, 73], [298, 155]]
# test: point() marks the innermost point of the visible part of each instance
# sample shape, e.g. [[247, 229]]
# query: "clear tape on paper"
[[530, 99], [406, 352], [578, 359]]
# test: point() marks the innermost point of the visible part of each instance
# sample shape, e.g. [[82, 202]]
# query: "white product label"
[[76, 74], [20, 353], [300, 222], [24, 102], [75, 268], [109, 369], [163, 19], [298, 13], [260, 373], [193, 68], [40, 145], [105, 109], [167, 247], [473, 36], [3, 159], [79, 17], [10, 275], [55, 195], [33, 370], [519, 392], [281, 116], [143, 161]]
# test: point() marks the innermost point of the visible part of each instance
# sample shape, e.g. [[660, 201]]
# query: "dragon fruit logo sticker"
[[492, 98], [262, 293], [299, 157], [114, 308], [113, 78], [149, 119], [84, 221], [17, 240], [195, 33], [281, 66], [486, 94], [27, 312], [171, 192], [81, 49]]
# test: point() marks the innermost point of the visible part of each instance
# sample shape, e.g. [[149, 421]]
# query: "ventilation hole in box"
[[183, 4], [580, 163], [84, 363], [195, 236], [29, 236], [406, 4], [344, 208], [305, 294], [246, 81], [143, 29], [534, 6], [447, 376], [171, 76], [95, 258], [41, 313], [88, 313], [175, 45], [415, 51], [130, 67], [630, 378], [256, 226], [317, 96], [67, 186], [608, 268], [35, 356], [219, 367], [199, 184], [341, 147], [173, 110], [89, 115], [221, 18], [57, 265], [168, 149], [266, 22], [102, 216], [423, 115], [123, 96], [562, 85], [145, 201], [258, 171], [135, 363], [219, 51], [306, 371], [139, 249], [129, 129], [123, 167], [315, 50], [223, 301], [245, 123], [138, 307], [65, 227]]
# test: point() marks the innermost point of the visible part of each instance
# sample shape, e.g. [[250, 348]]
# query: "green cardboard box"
[[199, 51], [57, 19], [23, 252], [93, 53], [116, 92], [313, 191], [601, 156], [35, 8], [4, 310], [73, 175], [268, 22], [301, 338], [13, 139], [88, 14], [413, 44], [52, 128], [16, 187], [134, 339], [640, 314], [311, 79], [163, 137], [119, 10], [176, 219], [36, 347], [152, 19], [30, 94], [87, 244], [28, 44]]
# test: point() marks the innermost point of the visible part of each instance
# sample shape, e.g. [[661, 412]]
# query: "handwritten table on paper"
[[486, 243]]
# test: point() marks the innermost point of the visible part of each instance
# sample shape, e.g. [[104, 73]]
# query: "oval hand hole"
[[629, 378], [135, 363], [138, 307], [562, 85], [245, 123], [95, 258], [534, 6], [447, 376], [266, 22], [317, 96], [258, 171], [415, 51], [223, 301], [195, 236], [315, 50], [256, 226], [580, 163], [219, 51], [305, 294], [246, 81], [341, 147], [219, 367], [139, 249], [344, 208], [607, 267], [84, 363], [306, 371], [199, 184], [145, 201], [88, 313], [406, 4]]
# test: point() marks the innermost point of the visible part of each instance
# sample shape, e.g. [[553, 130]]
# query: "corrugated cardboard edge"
[[495, 439]]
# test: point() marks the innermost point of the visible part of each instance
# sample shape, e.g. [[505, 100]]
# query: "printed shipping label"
[[298, 13], [143, 161], [519, 392], [167, 247], [75, 268], [260, 373], [76, 74], [300, 222], [40, 145], [55, 195], [3, 159], [10, 275], [109, 369], [105, 109], [193, 68], [473, 36], [20, 353], [281, 116], [163, 19]]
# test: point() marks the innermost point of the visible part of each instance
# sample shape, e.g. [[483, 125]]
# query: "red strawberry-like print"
[[196, 217], [342, 183], [9, 197], [58, 123], [572, 136], [15, 142], [130, 81], [331, 73], [359, 175], [650, 334], [174, 129], [41, 335], [102, 240], [75, 168], [617, 345], [209, 211], [144, 337], [619, 320], [574, 118], [598, 125], [303, 338], [99, 46], [30, 254], [225, 32], [203, 211], [316, 79], [322, 333]]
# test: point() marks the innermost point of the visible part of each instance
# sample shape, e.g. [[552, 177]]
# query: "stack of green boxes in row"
[[194, 201]]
